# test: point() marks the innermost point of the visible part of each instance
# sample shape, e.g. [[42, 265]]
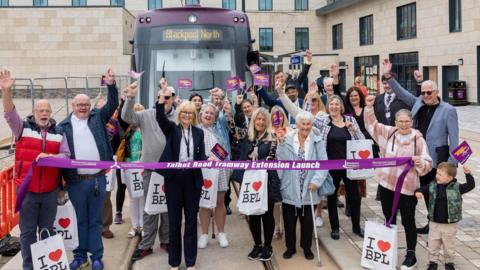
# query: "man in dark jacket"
[[88, 140], [388, 104], [36, 137]]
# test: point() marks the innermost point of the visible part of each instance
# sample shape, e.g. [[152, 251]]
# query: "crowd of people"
[[290, 125]]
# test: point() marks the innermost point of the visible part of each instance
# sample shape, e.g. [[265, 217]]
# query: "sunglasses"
[[166, 97], [426, 93]]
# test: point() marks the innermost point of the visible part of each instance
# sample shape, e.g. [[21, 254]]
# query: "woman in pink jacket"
[[400, 141]]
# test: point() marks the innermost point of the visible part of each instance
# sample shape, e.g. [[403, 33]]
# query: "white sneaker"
[[202, 241], [222, 240], [131, 233], [318, 222]]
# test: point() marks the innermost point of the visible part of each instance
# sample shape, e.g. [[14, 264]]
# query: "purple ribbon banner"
[[230, 165]]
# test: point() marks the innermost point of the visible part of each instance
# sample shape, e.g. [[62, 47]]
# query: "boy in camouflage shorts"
[[444, 212]]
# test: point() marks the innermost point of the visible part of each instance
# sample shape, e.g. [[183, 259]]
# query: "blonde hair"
[[138, 107], [321, 106], [187, 106], [275, 108], [252, 133]]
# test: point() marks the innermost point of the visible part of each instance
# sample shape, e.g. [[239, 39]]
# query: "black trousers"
[[182, 194], [406, 205], [120, 197], [353, 200], [426, 179], [227, 194], [255, 224], [290, 216]]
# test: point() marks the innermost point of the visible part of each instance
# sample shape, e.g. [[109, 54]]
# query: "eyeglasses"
[[187, 113], [83, 105], [428, 93], [403, 122]]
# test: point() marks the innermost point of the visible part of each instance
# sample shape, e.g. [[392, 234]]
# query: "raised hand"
[[312, 88], [254, 99], [309, 55], [334, 71], [239, 99], [280, 134], [418, 76], [279, 87], [131, 90], [6, 80], [110, 77], [227, 108], [178, 101], [466, 170], [369, 101], [387, 66], [417, 160]]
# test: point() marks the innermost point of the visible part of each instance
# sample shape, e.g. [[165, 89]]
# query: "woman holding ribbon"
[[300, 188], [215, 129], [400, 141], [185, 142], [259, 144]]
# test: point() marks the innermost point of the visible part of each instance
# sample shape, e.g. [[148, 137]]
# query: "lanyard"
[[187, 139]]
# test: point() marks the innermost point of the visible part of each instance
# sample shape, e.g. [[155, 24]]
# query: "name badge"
[[387, 114]]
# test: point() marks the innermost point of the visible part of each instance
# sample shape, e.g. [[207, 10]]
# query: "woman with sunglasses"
[[185, 142]]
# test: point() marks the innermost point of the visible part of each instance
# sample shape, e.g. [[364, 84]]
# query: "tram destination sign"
[[198, 34]]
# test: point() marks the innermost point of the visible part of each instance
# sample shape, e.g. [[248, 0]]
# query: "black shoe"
[[229, 211], [449, 266], [409, 262], [432, 266], [141, 253], [340, 204], [359, 232], [335, 234], [423, 230], [347, 211], [255, 253], [308, 254], [267, 254], [288, 254]]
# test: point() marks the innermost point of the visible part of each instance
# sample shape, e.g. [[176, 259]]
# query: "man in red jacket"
[[37, 136]]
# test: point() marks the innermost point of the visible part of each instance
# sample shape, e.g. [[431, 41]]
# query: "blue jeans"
[[38, 211], [89, 210]]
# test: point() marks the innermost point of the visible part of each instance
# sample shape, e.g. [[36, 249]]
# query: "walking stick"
[[319, 263], [213, 223]]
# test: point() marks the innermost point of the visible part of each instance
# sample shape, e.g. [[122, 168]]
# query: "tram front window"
[[206, 68]]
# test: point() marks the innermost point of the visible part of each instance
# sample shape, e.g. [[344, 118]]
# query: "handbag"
[[122, 148], [66, 225], [380, 243], [49, 253]]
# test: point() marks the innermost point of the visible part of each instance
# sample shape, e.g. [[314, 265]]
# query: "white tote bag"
[[156, 201], [66, 225], [253, 197], [111, 179], [134, 182], [208, 195], [379, 246], [360, 149], [49, 253]]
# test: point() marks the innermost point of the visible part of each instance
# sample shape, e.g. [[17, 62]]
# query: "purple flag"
[[462, 152], [135, 75], [219, 152], [185, 84], [255, 68], [232, 83], [277, 121], [261, 80]]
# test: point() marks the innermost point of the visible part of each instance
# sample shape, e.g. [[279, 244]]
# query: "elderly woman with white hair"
[[300, 187], [215, 130]]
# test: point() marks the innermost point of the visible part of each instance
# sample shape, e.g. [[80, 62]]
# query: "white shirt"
[[385, 98], [187, 136], [84, 143], [306, 145]]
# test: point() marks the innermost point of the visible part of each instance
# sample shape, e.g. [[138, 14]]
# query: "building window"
[[3, 3], [265, 5], [404, 64], [79, 3], [301, 5], [455, 10], [40, 3], [337, 36], [229, 4], [192, 2], [266, 39], [118, 3], [407, 21], [301, 39], [366, 30], [154, 4], [367, 68]]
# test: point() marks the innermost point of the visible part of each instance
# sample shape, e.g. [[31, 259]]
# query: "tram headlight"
[[235, 19], [148, 20], [141, 20], [192, 18], [242, 20]]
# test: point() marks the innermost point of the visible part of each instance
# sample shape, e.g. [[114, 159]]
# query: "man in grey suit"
[[434, 118]]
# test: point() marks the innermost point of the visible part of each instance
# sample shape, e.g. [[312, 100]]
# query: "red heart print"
[[364, 154], [55, 255], [257, 185], [163, 188], [207, 183], [64, 222], [383, 245]]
